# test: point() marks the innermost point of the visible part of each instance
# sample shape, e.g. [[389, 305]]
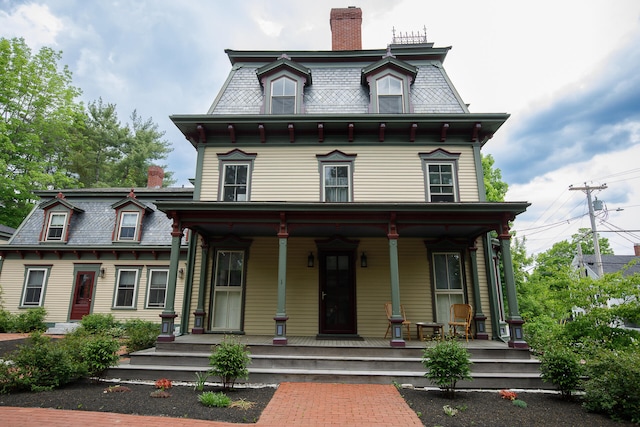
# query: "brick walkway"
[[293, 404]]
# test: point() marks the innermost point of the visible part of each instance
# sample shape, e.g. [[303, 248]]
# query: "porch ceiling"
[[425, 220]]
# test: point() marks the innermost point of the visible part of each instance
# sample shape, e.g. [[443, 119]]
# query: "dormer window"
[[390, 95], [283, 96], [128, 226], [56, 227]]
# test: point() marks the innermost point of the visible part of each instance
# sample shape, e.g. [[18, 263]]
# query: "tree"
[[495, 187], [37, 112]]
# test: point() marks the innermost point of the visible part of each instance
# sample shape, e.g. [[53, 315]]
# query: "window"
[[441, 186], [128, 226], [336, 183], [126, 288], [158, 279], [389, 95], [228, 289], [34, 285], [57, 222], [440, 171], [448, 278], [236, 180], [336, 176], [283, 96]]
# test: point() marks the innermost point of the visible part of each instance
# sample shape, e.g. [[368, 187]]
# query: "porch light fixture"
[[310, 260], [363, 260], [103, 271], [181, 273]]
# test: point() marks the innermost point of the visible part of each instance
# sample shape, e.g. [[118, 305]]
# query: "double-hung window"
[[236, 182], [34, 285], [336, 183], [156, 294], [126, 287], [57, 222], [440, 169], [390, 95], [448, 277], [228, 289], [336, 176], [283, 96], [128, 225]]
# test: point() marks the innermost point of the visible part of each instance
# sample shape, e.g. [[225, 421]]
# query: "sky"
[[566, 71]]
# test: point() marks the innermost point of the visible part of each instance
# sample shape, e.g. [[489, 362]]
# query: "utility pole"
[[592, 216]]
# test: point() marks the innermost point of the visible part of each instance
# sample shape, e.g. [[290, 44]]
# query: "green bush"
[[229, 361], [98, 353], [561, 367], [447, 363], [6, 321], [217, 400], [30, 320], [543, 333], [99, 323], [41, 364], [613, 387], [140, 334]]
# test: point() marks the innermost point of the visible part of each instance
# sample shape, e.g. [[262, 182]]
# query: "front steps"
[[493, 368], [62, 328]]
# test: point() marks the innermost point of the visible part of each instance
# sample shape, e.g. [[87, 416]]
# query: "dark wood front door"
[[337, 293], [83, 291]]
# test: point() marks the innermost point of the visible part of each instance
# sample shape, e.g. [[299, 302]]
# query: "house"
[[98, 250], [5, 233], [330, 182]]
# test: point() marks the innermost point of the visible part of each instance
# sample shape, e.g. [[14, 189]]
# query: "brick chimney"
[[346, 28], [155, 175], [636, 249]]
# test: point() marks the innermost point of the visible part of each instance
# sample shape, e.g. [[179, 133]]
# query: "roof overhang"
[[352, 128]]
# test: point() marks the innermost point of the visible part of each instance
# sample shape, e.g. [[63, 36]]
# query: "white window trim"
[[223, 184], [336, 158], [454, 191], [448, 293], [64, 226], [295, 94], [219, 289], [440, 157], [120, 226], [43, 286], [235, 157], [150, 275], [349, 180], [135, 288], [401, 94]]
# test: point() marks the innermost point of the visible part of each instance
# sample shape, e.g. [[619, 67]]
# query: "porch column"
[[396, 315], [478, 317], [281, 315], [200, 314], [514, 320], [168, 315]]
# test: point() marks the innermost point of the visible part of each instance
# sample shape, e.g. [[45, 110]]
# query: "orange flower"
[[163, 384], [508, 394]]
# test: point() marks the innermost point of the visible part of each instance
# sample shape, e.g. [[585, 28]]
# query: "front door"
[[81, 304], [337, 293]]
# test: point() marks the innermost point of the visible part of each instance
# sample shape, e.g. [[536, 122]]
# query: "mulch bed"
[[474, 408]]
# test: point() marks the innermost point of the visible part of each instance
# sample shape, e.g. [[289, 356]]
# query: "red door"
[[82, 294]]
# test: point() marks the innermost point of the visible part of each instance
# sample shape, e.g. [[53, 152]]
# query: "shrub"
[[140, 334], [30, 320], [211, 399], [98, 323], [98, 353], [561, 367], [613, 387], [229, 361], [447, 363], [41, 364], [6, 321]]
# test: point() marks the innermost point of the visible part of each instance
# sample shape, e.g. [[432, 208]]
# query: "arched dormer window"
[[389, 80], [283, 81]]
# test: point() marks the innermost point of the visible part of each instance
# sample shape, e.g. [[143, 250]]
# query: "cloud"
[[34, 22]]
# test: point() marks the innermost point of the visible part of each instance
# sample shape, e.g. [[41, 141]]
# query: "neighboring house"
[[627, 264], [6, 233], [98, 250], [330, 182]]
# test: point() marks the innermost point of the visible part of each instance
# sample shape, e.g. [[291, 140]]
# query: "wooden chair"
[[461, 317], [405, 322]]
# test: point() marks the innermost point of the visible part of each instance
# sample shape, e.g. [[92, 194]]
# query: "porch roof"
[[464, 220]]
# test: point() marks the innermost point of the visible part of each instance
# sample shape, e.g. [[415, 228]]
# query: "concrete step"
[[62, 328]]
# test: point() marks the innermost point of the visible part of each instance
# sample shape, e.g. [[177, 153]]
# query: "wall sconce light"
[[363, 260], [310, 260], [103, 271], [181, 273]]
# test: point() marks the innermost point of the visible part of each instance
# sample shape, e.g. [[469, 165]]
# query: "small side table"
[[437, 329]]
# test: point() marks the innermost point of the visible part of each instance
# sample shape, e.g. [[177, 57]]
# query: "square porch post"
[[281, 317], [168, 315], [514, 320], [396, 315], [200, 314]]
